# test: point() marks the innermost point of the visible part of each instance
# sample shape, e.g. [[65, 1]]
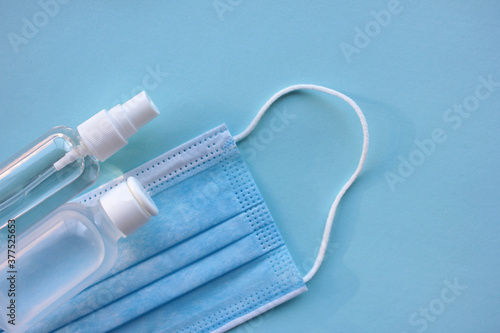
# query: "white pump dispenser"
[[63, 162], [107, 132]]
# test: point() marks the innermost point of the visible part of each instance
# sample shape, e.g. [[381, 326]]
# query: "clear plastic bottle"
[[63, 162], [67, 251]]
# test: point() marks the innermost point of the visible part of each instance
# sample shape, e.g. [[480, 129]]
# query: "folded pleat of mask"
[[212, 259]]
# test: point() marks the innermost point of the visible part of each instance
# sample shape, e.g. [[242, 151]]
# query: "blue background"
[[395, 248]]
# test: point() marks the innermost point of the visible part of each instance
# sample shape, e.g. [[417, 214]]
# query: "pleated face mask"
[[212, 259]]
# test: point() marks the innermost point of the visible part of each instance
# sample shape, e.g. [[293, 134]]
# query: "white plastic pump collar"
[[107, 132], [128, 206]]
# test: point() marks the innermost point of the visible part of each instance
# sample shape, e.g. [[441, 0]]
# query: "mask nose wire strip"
[[331, 214]]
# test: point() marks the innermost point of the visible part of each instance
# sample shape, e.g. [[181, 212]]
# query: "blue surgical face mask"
[[212, 259]]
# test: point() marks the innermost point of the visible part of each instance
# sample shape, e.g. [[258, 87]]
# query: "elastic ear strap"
[[333, 209]]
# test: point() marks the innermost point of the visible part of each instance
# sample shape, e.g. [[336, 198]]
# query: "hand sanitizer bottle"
[[67, 251], [64, 161]]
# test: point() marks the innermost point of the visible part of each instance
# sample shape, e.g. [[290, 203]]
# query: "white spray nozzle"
[[140, 110], [107, 132]]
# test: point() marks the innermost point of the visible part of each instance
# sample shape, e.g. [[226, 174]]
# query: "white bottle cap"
[[107, 132], [128, 206]]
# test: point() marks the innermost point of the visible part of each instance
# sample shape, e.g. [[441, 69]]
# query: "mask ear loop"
[[333, 209]]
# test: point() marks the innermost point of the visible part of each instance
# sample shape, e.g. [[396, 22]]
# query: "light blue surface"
[[392, 250]]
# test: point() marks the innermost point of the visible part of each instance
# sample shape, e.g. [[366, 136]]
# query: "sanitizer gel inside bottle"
[[70, 249], [64, 161]]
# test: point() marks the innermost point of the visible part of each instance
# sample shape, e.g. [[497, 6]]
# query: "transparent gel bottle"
[[67, 251], [63, 162]]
